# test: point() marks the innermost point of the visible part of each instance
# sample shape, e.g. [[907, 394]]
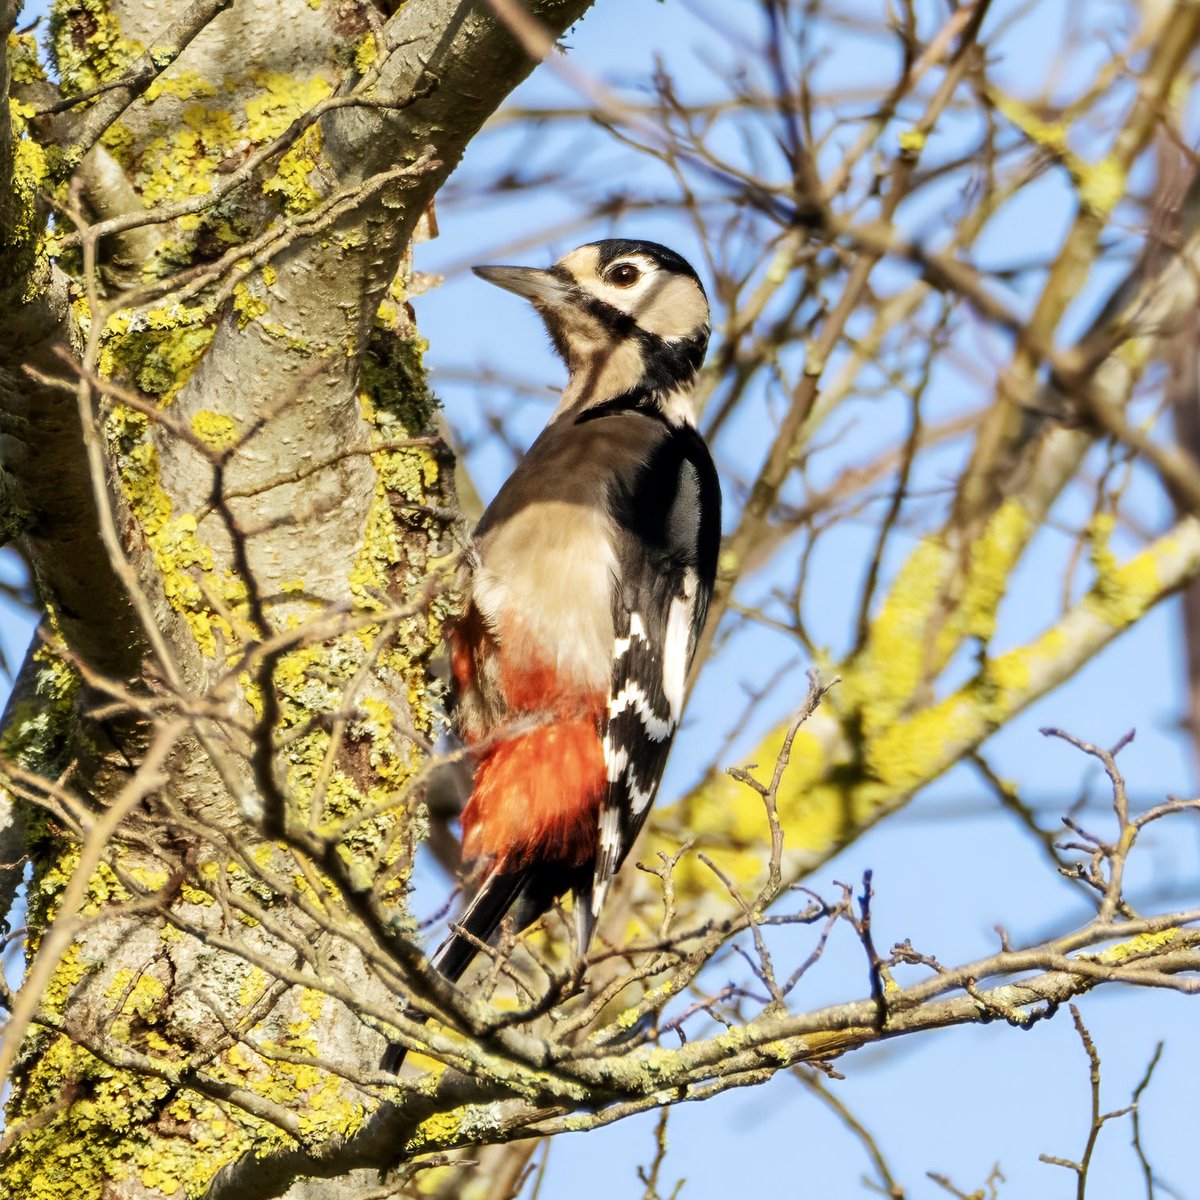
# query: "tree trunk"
[[237, 562]]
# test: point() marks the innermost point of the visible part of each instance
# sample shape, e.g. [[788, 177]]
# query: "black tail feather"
[[527, 894], [521, 895], [481, 918]]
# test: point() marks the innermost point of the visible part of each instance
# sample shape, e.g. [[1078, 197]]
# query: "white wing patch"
[[632, 696], [615, 758], [624, 749], [610, 832], [609, 852], [638, 799], [677, 646], [636, 630]]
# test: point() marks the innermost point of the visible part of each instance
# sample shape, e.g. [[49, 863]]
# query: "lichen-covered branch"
[[870, 749], [461, 1113], [623, 1074]]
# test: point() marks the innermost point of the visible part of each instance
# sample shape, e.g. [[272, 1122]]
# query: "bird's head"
[[630, 319]]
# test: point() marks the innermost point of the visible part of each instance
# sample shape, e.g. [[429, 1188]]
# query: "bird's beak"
[[542, 287]]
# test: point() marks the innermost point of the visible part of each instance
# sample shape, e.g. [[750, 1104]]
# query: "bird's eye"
[[624, 275]]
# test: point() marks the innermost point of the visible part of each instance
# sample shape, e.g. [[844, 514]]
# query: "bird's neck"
[[675, 406], [621, 377]]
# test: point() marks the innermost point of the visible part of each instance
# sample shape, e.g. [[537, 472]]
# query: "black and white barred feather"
[[668, 538]]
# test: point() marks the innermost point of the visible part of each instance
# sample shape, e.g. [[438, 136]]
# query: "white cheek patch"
[[676, 309]]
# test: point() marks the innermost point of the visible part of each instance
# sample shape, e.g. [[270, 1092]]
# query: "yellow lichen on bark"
[[92, 1125], [108, 1123], [849, 766]]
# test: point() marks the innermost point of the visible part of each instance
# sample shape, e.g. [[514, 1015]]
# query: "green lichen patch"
[[1101, 185], [942, 594], [22, 217], [208, 133], [290, 183], [898, 657], [24, 65], [97, 1125], [440, 1131], [247, 306], [118, 1126], [87, 46], [157, 350], [38, 731], [281, 100], [1140, 946], [911, 752], [216, 430], [395, 398], [992, 558], [1121, 593], [186, 565], [366, 53], [182, 84], [183, 161], [182, 559], [376, 759]]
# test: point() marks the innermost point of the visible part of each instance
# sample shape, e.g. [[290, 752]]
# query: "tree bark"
[[273, 489]]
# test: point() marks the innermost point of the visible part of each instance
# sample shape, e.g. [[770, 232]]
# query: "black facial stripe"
[[612, 319], [672, 362], [619, 324], [667, 365]]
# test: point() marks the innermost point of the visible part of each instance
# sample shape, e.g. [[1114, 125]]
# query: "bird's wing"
[[667, 543]]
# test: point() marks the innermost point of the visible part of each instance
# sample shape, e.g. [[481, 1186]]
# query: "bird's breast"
[[544, 586]]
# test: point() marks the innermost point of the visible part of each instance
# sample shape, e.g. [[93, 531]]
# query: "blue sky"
[[950, 867]]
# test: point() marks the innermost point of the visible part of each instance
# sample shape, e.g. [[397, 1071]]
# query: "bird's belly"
[[537, 797], [532, 665], [545, 587]]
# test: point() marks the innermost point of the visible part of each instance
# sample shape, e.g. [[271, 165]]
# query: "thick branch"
[[464, 1112], [834, 790]]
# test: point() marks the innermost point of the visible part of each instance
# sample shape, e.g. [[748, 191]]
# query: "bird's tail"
[[526, 893], [480, 920]]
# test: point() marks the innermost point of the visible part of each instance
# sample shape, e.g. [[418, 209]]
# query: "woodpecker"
[[590, 581]]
